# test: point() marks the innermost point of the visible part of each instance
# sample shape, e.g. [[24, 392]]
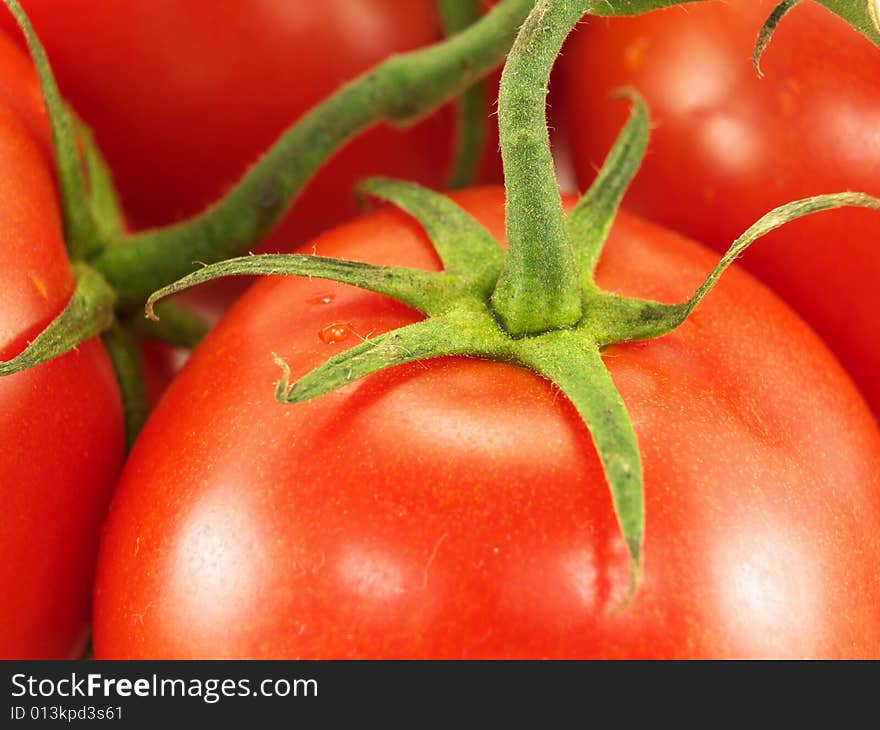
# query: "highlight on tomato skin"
[[184, 96], [727, 146], [456, 508]]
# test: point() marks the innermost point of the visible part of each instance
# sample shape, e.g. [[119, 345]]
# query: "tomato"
[[727, 147], [456, 508], [61, 428], [184, 96]]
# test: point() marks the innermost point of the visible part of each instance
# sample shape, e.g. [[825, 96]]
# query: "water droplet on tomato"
[[335, 332], [322, 299]]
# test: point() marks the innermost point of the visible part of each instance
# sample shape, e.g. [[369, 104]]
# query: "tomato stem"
[[471, 112], [543, 289], [125, 354], [539, 288], [589, 222]]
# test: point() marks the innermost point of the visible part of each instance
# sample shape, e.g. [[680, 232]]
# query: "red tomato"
[[61, 429], [456, 508], [727, 147], [184, 96]]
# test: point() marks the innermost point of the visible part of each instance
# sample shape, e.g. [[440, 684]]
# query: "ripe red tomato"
[[727, 146], [456, 508], [184, 96], [61, 428]]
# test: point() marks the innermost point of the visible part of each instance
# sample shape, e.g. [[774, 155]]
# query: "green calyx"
[[466, 304], [460, 320]]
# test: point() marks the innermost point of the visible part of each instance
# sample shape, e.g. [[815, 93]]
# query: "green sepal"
[[460, 332], [613, 319], [466, 248], [427, 291], [766, 32], [666, 317], [80, 231], [862, 15], [88, 313], [771, 221], [589, 222], [571, 360], [125, 354]]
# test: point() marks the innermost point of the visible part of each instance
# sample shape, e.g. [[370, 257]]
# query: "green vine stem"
[[539, 288], [401, 89], [125, 354], [555, 320], [470, 107]]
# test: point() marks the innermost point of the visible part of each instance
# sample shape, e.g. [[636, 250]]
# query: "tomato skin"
[[184, 96], [727, 147], [456, 508], [61, 429]]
